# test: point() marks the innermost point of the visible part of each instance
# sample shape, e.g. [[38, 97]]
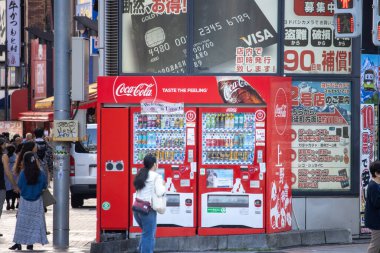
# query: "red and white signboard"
[[38, 73], [310, 44]]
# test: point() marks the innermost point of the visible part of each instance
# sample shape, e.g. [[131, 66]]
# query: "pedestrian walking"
[[372, 208], [44, 153], [18, 166], [5, 171], [148, 182], [30, 225], [10, 159]]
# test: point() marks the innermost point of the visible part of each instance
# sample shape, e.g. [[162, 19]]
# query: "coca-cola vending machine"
[[168, 132], [232, 170], [221, 145]]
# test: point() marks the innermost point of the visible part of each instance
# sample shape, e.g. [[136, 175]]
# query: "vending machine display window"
[[219, 178], [161, 135], [228, 138]]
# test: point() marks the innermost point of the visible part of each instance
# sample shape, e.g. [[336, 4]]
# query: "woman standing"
[[147, 183], [9, 160], [30, 225]]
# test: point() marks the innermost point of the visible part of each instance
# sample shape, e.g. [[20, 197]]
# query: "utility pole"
[[62, 48]]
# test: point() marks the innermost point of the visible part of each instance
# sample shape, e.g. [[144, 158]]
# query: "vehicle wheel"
[[76, 201]]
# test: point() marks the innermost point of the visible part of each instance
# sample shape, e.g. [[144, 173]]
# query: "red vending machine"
[[232, 170], [168, 132], [113, 159]]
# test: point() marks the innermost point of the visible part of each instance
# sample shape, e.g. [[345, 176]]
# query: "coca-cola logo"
[[230, 90], [281, 111], [144, 88], [231, 110]]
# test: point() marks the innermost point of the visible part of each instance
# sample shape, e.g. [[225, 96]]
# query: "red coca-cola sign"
[[281, 111], [143, 88]]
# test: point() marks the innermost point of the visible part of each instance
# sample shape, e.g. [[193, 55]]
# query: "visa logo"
[[257, 37]]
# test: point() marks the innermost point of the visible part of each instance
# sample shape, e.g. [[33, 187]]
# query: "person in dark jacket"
[[372, 208]]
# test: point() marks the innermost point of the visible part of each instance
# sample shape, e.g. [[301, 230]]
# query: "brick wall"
[[39, 14]]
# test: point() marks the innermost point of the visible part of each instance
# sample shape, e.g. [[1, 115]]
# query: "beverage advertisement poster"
[[367, 133], [219, 178], [321, 136], [310, 43], [229, 36]]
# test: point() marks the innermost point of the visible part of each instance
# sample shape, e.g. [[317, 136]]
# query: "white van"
[[83, 168]]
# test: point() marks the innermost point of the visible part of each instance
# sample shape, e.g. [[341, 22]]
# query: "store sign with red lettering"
[[321, 135], [310, 44]]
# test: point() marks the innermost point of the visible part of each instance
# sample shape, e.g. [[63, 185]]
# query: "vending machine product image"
[[171, 138], [232, 170]]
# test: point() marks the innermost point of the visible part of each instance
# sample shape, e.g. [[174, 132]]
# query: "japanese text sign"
[[13, 32]]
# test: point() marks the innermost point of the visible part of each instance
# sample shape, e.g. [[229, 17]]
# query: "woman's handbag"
[[158, 202], [141, 206], [48, 198]]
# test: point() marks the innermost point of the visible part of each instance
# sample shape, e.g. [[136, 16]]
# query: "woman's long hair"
[[31, 170], [26, 147], [142, 175]]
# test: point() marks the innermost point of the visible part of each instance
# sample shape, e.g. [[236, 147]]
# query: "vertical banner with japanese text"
[[38, 69], [369, 117], [13, 32], [321, 130], [310, 44], [367, 134], [3, 28]]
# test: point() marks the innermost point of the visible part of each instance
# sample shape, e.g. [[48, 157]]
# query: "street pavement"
[[83, 228]]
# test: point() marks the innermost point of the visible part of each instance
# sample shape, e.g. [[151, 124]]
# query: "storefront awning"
[[36, 116], [48, 103]]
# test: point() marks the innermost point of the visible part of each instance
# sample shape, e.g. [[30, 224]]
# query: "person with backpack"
[[44, 153]]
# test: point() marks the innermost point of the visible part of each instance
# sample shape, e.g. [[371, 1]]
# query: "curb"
[[232, 242]]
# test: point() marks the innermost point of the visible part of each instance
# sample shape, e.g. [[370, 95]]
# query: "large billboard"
[[321, 136], [228, 36], [310, 44]]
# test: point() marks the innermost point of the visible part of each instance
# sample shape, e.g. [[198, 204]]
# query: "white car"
[[83, 168]]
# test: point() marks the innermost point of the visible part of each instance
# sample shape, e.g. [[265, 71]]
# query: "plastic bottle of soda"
[[236, 121]]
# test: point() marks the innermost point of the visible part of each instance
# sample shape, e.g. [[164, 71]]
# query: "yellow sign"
[[65, 130]]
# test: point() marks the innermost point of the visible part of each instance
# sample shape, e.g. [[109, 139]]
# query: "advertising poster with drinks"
[[229, 36], [310, 44], [321, 135]]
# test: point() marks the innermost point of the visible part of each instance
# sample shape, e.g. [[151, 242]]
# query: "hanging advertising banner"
[[3, 28], [229, 36], [310, 44], [321, 123], [367, 137], [13, 33], [369, 97], [38, 69]]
